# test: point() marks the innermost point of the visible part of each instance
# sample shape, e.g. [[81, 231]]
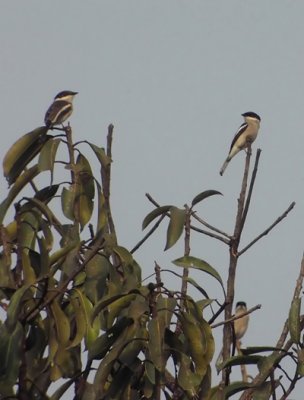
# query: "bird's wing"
[[59, 107], [241, 129]]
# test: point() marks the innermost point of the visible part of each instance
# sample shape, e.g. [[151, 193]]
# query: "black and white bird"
[[61, 108], [245, 135]]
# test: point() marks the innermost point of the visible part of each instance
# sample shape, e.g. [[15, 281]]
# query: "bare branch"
[[211, 234], [151, 231], [252, 181], [219, 311], [279, 219], [213, 228], [68, 133], [234, 243]]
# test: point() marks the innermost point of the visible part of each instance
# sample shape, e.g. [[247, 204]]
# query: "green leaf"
[[176, 226], [102, 216], [28, 228], [124, 255], [67, 202], [204, 195], [205, 385], [197, 286], [47, 155], [260, 349], [28, 271], [129, 355], [81, 317], [196, 342], [100, 153], [83, 206], [99, 348], [21, 181], [197, 263], [63, 252], [115, 303], [188, 379], [165, 307], [154, 214], [300, 367], [22, 152], [294, 320], [236, 387], [6, 275], [240, 360], [68, 362], [13, 311], [93, 330], [97, 271], [106, 365], [267, 364], [48, 236], [156, 328], [46, 194], [62, 323], [263, 392], [11, 345]]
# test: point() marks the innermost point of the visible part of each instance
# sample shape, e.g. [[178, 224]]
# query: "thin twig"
[[211, 234], [213, 228], [219, 311], [107, 181], [184, 285], [279, 219], [299, 284], [151, 231], [251, 185], [68, 133], [228, 321], [273, 386]]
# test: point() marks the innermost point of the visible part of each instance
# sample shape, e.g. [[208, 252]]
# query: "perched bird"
[[246, 134], [61, 108], [240, 324]]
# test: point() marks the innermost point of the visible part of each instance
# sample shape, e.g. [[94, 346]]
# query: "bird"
[[240, 324], [61, 108], [245, 135]]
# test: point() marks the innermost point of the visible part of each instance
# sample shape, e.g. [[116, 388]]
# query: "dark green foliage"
[[73, 290]]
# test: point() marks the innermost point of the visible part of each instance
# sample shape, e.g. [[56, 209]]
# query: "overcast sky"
[[174, 78]]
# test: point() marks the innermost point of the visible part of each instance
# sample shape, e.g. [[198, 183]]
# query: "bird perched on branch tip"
[[245, 135], [61, 108]]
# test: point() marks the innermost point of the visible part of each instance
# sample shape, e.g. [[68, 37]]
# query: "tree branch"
[[234, 243], [252, 181], [228, 321], [279, 219], [151, 231]]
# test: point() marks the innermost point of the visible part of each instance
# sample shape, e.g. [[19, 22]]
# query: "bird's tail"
[[222, 170]]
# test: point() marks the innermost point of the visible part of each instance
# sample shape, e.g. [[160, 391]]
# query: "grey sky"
[[174, 77]]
